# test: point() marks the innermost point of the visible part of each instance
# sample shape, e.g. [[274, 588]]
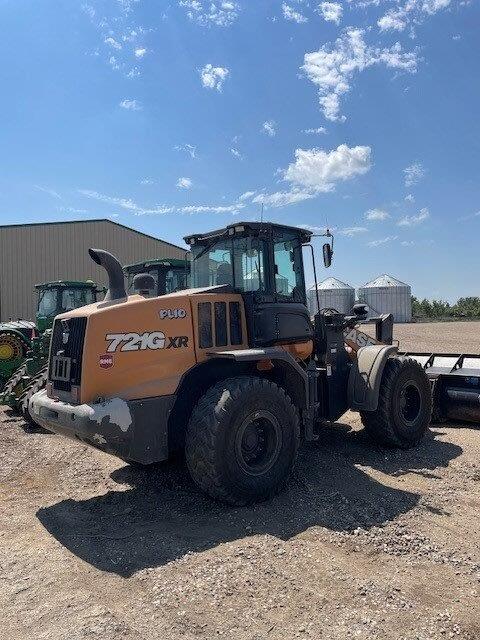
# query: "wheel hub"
[[258, 442], [410, 402]]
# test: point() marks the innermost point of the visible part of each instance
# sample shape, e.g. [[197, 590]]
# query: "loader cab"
[[263, 262], [169, 274]]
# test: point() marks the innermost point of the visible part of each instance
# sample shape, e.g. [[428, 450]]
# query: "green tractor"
[[169, 274], [24, 345]]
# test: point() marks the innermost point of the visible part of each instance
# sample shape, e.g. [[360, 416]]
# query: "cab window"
[[47, 305], [74, 298], [289, 282]]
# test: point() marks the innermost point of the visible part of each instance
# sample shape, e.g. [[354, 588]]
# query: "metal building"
[[332, 293], [386, 294], [35, 253]]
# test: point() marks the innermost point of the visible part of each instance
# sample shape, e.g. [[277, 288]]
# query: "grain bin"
[[334, 294], [386, 294]]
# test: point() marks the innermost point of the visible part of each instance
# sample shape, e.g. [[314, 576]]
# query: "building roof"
[[118, 224], [384, 281], [333, 283]]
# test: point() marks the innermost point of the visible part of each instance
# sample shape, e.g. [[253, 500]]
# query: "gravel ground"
[[365, 543]]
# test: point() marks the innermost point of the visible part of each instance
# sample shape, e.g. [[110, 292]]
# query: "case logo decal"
[[142, 341], [106, 361], [172, 314]]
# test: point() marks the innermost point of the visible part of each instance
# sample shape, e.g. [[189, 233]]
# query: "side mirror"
[[327, 255]]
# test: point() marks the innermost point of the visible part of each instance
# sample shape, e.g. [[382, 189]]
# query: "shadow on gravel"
[[163, 516]]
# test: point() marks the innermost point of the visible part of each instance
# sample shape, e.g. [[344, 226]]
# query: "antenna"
[[261, 215]]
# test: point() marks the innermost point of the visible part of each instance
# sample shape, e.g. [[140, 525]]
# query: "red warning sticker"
[[106, 361]]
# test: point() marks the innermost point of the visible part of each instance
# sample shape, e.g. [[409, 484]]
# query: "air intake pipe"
[[116, 280]]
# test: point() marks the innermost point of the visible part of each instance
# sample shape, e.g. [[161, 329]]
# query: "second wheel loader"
[[232, 371]]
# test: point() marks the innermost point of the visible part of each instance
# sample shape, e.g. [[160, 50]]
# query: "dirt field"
[[365, 543]]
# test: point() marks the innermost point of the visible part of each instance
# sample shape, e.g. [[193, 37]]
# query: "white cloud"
[[140, 52], [316, 171], [188, 148], [124, 203], [411, 221], [137, 210], [471, 216], [319, 170], [378, 243], [333, 67], [270, 128], [412, 11], [376, 215], [113, 43], [50, 192], [284, 198], [413, 174], [147, 181], [236, 154], [234, 208], [213, 77], [131, 105], [289, 13], [208, 13], [331, 11], [409, 198], [316, 131], [248, 195], [184, 183], [350, 232], [407, 243]]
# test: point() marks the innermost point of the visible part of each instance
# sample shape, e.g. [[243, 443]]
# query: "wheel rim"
[[410, 402], [10, 348], [258, 442]]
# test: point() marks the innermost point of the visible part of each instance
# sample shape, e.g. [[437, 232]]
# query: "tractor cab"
[[264, 263], [169, 275], [61, 296]]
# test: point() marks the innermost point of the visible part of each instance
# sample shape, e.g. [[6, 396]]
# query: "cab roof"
[[160, 262], [78, 284], [249, 228]]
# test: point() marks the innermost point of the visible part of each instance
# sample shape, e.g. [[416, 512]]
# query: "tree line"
[[463, 308]]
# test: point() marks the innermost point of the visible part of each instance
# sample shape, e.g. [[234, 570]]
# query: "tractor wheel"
[[242, 440], [12, 347], [404, 405], [12, 383], [37, 383]]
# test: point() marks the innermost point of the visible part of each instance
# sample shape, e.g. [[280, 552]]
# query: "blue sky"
[[184, 115]]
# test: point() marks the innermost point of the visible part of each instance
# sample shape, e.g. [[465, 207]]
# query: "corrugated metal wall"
[[30, 254]]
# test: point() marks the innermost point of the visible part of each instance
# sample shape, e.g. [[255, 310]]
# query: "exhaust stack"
[[116, 280]]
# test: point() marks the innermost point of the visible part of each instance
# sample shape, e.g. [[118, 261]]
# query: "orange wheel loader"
[[231, 371]]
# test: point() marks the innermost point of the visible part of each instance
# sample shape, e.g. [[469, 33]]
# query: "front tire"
[[242, 440], [404, 405]]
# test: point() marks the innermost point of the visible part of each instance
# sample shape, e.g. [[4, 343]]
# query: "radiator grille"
[[219, 324], [66, 356]]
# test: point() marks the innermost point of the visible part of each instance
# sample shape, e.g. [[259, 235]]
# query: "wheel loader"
[[233, 371]]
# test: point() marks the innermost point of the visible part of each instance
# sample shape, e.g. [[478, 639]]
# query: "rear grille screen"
[[220, 324], [235, 324], [205, 325], [223, 327], [66, 353]]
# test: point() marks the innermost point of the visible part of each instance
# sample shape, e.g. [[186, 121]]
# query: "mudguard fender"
[[366, 375]]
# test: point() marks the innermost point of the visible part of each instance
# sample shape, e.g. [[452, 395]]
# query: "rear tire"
[[242, 440], [404, 405]]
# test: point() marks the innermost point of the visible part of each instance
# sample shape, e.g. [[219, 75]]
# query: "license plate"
[[61, 367]]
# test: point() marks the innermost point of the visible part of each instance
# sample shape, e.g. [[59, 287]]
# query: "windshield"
[[74, 298], [47, 303], [237, 262]]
